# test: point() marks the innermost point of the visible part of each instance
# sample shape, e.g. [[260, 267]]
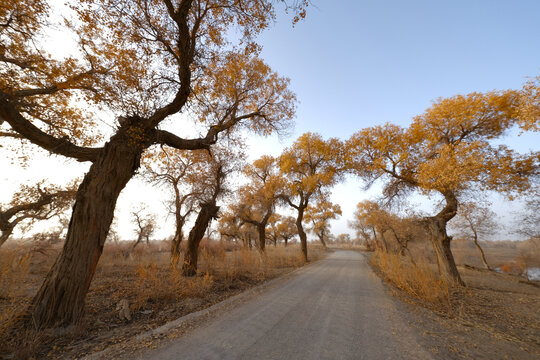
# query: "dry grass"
[[156, 293], [419, 280], [155, 282], [14, 266], [502, 308]]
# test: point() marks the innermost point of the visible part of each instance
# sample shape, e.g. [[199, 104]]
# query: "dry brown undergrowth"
[[155, 292], [419, 280], [503, 307]]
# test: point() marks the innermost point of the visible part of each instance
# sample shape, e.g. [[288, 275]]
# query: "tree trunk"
[[482, 255], [321, 237], [176, 243], [441, 241], [286, 241], [5, 235], [441, 244], [128, 253], [60, 300], [302, 234], [207, 213], [261, 230]]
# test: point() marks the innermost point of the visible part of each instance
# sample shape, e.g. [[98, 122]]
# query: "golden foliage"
[[447, 149], [311, 164]]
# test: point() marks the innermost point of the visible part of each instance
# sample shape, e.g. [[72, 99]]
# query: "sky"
[[355, 64]]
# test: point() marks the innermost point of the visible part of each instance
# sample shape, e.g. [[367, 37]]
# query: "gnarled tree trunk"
[[302, 233], [60, 300], [441, 241], [208, 212]]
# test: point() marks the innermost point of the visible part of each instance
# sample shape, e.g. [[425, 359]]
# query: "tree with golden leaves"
[[272, 234], [310, 167], [145, 62], [281, 228], [258, 198], [230, 225], [447, 151], [212, 184], [319, 215], [368, 217], [184, 172]]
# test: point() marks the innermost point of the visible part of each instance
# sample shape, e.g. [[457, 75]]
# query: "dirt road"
[[333, 309]]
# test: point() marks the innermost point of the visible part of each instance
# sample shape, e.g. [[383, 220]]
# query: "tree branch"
[[26, 129]]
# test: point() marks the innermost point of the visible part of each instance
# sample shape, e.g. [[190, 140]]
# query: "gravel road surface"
[[335, 308]]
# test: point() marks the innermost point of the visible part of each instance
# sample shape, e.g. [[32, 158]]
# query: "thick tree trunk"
[[302, 233], [60, 300], [482, 255], [261, 230], [441, 241], [208, 212], [286, 241]]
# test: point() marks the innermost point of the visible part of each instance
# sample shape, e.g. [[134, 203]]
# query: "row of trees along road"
[[148, 62]]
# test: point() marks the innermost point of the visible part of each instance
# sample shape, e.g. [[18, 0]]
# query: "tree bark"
[[302, 233], [261, 230], [441, 241], [208, 212], [60, 300]]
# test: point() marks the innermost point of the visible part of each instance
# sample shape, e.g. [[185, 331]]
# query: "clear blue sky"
[[358, 63], [355, 64]]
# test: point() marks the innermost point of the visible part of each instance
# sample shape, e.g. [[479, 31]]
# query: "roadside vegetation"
[[501, 302], [131, 295]]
